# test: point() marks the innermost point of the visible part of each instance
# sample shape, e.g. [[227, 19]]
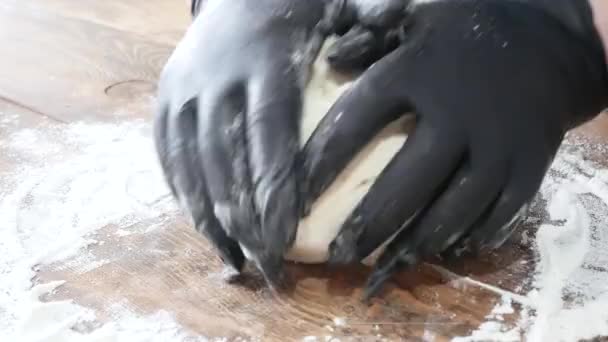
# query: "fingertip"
[[376, 281], [354, 51], [343, 249], [494, 241], [231, 275], [229, 250], [374, 284], [391, 261], [272, 268]]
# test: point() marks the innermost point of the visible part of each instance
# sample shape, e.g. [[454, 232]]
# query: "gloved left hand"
[[227, 126]]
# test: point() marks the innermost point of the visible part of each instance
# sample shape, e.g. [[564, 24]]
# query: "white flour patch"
[[569, 299], [123, 232], [70, 181], [65, 321], [504, 308], [7, 120], [491, 331], [494, 329]]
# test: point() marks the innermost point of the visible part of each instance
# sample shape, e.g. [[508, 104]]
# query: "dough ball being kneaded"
[[320, 227]]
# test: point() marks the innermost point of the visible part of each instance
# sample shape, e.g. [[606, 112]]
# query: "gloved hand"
[[494, 85], [230, 98], [226, 131]]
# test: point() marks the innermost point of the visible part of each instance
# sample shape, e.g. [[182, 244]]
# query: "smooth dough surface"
[[316, 231]]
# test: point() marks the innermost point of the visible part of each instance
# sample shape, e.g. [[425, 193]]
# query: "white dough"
[[316, 231]]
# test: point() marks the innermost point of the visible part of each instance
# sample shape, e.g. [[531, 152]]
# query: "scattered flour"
[[6, 120], [494, 329], [491, 331], [339, 321], [61, 321], [429, 336], [569, 301], [83, 262], [72, 180]]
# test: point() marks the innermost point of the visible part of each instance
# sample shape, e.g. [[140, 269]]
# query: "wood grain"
[[62, 67], [156, 20], [66, 61], [174, 269]]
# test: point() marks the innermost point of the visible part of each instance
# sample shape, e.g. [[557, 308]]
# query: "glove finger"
[[358, 115], [403, 189], [162, 144], [223, 160], [470, 193], [441, 224], [175, 138], [360, 47], [355, 50], [274, 105], [499, 222]]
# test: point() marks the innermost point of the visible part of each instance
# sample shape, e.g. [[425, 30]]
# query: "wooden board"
[[98, 60]]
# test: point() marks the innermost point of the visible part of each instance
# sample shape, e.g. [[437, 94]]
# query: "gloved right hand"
[[495, 85]]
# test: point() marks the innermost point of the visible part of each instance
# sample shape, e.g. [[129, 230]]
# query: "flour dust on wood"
[[569, 298], [63, 183]]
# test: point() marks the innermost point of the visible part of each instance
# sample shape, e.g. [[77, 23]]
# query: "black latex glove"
[[494, 85], [227, 125]]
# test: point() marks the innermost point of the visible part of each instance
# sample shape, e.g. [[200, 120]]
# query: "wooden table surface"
[[96, 60]]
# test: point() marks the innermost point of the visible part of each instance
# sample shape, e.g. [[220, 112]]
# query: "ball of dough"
[[320, 227]]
